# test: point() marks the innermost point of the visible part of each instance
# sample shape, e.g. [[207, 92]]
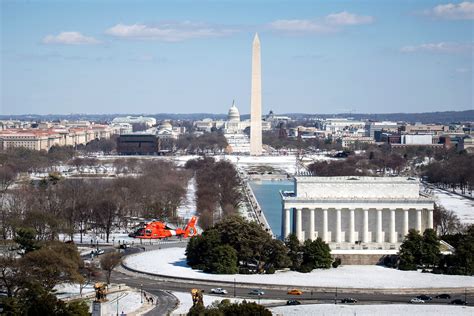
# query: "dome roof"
[[166, 125], [234, 114]]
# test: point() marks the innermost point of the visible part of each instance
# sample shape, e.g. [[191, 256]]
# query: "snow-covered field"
[[186, 302], [188, 206], [172, 261], [375, 310], [66, 290], [282, 162], [463, 207], [126, 302]]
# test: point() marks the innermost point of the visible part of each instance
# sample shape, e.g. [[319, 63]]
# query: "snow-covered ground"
[[186, 302], [172, 261], [126, 302], [188, 206], [66, 290], [463, 207], [375, 310], [281, 162]]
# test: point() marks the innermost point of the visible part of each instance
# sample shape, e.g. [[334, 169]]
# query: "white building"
[[233, 124], [388, 126], [372, 212], [416, 139], [148, 121]]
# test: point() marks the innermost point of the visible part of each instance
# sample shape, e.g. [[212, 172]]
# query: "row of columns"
[[365, 230]]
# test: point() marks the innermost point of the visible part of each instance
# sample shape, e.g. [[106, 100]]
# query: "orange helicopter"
[[159, 230]]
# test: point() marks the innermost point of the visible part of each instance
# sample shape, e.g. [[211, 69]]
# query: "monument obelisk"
[[256, 101]]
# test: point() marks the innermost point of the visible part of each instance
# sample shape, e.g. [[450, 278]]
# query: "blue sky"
[[115, 56]]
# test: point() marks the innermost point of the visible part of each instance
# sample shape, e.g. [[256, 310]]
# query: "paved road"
[[167, 302]]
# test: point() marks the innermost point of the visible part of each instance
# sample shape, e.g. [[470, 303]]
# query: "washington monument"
[[256, 101]]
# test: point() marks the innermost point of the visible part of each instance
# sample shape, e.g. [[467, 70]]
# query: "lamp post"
[[118, 298], [234, 287], [141, 293]]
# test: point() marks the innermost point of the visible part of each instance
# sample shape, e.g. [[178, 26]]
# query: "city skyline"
[[188, 57]]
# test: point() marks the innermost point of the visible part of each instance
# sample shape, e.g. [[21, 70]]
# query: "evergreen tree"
[[316, 255], [411, 251], [223, 260], [430, 252], [294, 251]]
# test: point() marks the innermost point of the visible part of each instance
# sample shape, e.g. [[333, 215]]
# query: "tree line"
[[455, 170], [218, 192], [423, 251], [56, 205], [235, 245]]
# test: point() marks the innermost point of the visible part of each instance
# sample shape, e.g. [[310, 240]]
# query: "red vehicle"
[[159, 230]]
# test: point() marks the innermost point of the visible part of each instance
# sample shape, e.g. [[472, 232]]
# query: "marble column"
[[299, 226], [379, 226], [325, 225], [430, 218], [285, 225], [418, 221], [365, 235], [311, 224], [338, 226], [405, 222], [393, 234], [351, 226]]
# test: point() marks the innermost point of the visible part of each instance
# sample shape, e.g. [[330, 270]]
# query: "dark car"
[[443, 296], [424, 297], [458, 302], [348, 300], [293, 302]]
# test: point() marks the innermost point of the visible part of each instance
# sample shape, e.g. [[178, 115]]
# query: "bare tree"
[[108, 262], [446, 220]]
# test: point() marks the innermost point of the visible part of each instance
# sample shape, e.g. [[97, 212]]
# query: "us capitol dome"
[[233, 115]]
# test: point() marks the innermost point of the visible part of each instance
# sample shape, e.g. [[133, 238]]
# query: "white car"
[[218, 291], [416, 301]]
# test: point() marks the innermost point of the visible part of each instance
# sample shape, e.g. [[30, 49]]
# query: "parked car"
[[458, 302], [416, 301], [348, 300], [124, 246], [443, 296], [256, 292], [293, 302], [295, 292], [99, 251], [424, 297], [218, 291]]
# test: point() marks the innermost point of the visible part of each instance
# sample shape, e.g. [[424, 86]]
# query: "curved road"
[[166, 302]]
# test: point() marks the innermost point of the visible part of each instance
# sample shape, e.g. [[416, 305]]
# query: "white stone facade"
[[356, 212]]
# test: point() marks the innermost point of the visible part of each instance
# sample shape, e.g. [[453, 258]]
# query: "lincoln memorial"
[[348, 212]]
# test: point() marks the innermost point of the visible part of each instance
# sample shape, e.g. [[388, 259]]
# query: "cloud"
[[442, 47], [453, 11], [69, 38], [328, 24], [300, 26], [168, 32], [346, 18], [463, 70]]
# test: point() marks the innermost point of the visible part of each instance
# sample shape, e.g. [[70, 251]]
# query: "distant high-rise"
[[256, 101]]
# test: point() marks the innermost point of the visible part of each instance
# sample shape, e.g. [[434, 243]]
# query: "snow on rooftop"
[[172, 262]]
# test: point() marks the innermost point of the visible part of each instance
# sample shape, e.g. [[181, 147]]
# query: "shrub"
[[336, 263]]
